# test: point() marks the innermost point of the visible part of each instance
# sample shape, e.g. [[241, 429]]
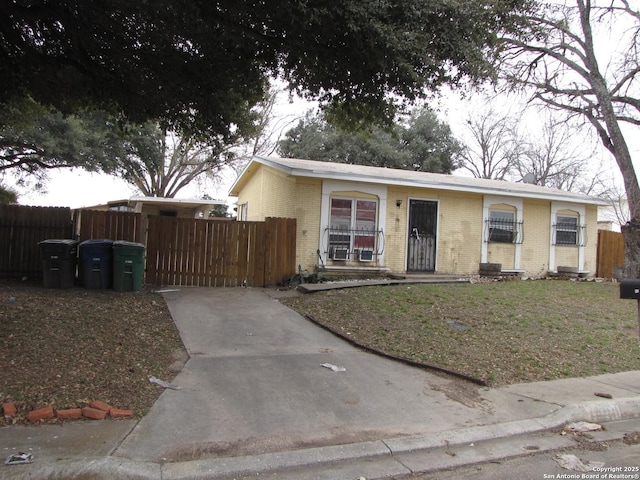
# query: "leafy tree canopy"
[[220, 211], [422, 143], [7, 196], [200, 65], [34, 139]]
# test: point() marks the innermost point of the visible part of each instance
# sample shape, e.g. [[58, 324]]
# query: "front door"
[[421, 246]]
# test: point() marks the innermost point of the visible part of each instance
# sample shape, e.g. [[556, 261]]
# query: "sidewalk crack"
[[396, 459]]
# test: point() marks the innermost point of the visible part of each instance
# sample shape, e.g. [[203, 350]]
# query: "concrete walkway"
[[254, 397], [255, 383]]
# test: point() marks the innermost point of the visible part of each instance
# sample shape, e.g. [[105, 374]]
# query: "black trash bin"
[[96, 263], [58, 262], [128, 266]]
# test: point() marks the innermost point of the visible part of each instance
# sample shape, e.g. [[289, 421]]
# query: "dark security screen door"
[[421, 246]]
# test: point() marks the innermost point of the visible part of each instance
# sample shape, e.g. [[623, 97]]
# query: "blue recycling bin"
[[96, 263], [58, 262]]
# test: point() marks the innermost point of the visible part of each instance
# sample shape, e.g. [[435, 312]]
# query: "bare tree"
[[271, 125], [618, 207], [560, 57], [160, 164], [549, 152], [551, 158], [164, 165], [492, 148]]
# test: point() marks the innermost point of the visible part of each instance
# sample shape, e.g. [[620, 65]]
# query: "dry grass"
[[500, 333], [66, 348]]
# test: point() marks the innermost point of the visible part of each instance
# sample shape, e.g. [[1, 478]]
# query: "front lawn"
[[500, 333]]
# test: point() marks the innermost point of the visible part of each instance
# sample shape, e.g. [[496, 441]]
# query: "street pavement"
[[257, 397]]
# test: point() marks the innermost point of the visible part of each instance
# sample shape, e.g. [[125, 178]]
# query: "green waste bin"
[[128, 266], [58, 262]]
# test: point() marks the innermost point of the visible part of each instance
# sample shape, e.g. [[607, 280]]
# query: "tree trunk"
[[631, 235]]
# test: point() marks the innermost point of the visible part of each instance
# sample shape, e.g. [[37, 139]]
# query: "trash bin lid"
[[123, 244], [97, 242], [58, 241]]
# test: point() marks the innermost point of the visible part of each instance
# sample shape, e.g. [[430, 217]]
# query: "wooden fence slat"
[[172, 252], [261, 256], [190, 253], [151, 260], [243, 253], [231, 255], [164, 250], [199, 250], [222, 231]]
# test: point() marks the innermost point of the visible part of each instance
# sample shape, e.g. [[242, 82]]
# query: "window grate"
[[569, 234], [500, 230], [354, 244]]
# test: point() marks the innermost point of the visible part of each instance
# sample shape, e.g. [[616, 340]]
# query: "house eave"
[[443, 186], [440, 184]]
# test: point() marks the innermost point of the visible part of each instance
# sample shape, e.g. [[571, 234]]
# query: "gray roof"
[[392, 176]]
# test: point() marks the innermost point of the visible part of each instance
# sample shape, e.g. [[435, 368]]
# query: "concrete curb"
[[232, 467], [598, 412], [98, 468]]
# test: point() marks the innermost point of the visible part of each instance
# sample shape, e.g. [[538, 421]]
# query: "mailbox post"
[[630, 289]]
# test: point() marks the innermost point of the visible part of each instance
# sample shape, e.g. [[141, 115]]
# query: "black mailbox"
[[630, 288]]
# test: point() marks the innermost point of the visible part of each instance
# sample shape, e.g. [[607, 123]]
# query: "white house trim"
[[331, 186], [581, 211], [488, 202]]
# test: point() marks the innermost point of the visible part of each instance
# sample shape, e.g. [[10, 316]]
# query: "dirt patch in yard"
[[66, 348]]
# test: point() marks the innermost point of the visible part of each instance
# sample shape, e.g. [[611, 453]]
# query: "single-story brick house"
[[353, 218]]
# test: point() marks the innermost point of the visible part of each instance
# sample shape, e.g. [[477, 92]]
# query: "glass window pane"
[[566, 230], [501, 226], [353, 224], [365, 215], [568, 223], [501, 216], [340, 213]]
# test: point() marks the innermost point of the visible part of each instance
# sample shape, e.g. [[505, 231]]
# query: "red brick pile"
[[97, 410]]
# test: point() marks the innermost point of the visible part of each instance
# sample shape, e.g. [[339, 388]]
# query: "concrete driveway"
[[255, 384]]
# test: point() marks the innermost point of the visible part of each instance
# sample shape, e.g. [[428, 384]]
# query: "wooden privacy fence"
[[201, 252], [179, 251], [21, 229], [217, 253], [111, 225], [610, 253]]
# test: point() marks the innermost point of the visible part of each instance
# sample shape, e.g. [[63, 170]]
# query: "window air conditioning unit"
[[366, 255], [340, 254]]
